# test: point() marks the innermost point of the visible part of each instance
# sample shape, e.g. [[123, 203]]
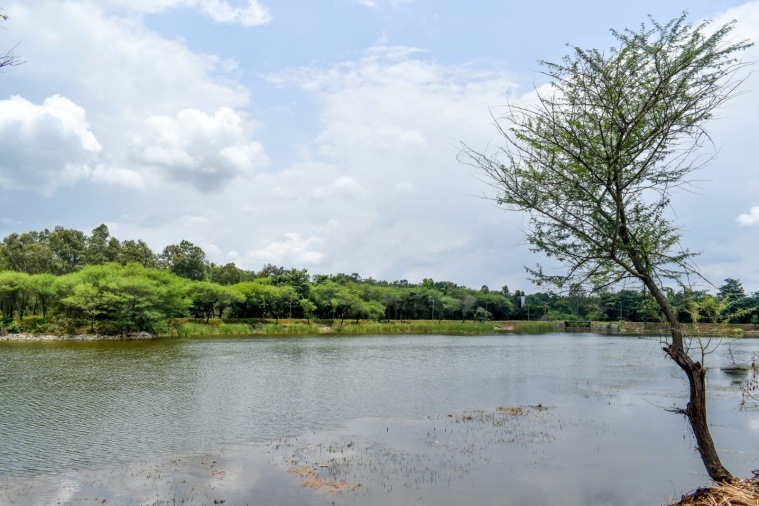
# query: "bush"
[[34, 325], [62, 326], [10, 326]]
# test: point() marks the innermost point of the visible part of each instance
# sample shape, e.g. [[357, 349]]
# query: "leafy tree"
[[15, 293], [282, 300], [308, 308], [27, 252], [732, 289], [185, 260], [127, 297], [739, 306], [209, 299], [87, 292], [100, 247], [595, 158], [431, 298], [482, 314], [369, 310], [299, 280], [257, 299], [270, 270], [623, 305], [346, 303], [228, 274], [46, 290], [138, 252], [450, 306], [67, 247], [203, 296], [324, 295]]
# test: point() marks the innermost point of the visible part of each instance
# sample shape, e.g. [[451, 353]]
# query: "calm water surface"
[[71, 406]]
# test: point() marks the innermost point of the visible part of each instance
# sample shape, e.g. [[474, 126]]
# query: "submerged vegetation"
[[65, 282]]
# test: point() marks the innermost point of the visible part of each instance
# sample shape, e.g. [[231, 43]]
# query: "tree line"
[[63, 279]]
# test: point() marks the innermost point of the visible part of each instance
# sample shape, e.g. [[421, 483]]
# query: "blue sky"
[[319, 135]]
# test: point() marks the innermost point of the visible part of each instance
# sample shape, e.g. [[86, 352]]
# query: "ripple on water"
[[67, 406]]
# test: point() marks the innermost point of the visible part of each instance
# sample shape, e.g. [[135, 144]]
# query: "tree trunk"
[[695, 411]]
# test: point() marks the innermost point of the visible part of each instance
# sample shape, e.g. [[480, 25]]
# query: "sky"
[[322, 135]]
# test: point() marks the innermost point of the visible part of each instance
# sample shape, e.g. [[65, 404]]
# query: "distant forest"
[[60, 280]]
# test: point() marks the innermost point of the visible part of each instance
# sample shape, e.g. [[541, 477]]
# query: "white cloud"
[[374, 4], [343, 185], [749, 219], [291, 250], [117, 177], [390, 121], [132, 83], [252, 14], [203, 149], [45, 145]]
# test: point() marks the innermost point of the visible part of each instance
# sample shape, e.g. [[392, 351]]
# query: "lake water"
[[412, 419]]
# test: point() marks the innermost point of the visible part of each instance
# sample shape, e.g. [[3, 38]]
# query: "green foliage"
[[131, 298], [137, 252], [100, 247], [15, 293], [185, 260], [10, 326], [482, 314], [128, 295]]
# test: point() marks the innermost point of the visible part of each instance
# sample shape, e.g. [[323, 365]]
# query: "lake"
[[562, 418]]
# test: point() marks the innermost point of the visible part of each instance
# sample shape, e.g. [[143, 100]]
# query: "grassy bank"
[[191, 328], [188, 327]]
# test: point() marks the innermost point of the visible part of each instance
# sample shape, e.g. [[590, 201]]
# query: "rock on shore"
[[77, 337]]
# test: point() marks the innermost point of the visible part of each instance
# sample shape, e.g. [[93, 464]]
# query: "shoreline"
[[186, 328], [21, 336]]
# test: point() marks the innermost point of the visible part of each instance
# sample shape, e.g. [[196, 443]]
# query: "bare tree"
[[8, 59], [594, 158]]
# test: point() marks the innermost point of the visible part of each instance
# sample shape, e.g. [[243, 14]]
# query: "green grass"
[[534, 327], [191, 328]]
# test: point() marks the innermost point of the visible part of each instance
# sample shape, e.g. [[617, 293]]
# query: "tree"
[[125, 298], [139, 252], [45, 290], [67, 247], [15, 290], [298, 279], [185, 260], [87, 291], [308, 308], [8, 59], [28, 252], [595, 158], [228, 274], [739, 306], [100, 247]]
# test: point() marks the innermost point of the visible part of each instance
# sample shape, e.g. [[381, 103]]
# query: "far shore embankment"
[[292, 327]]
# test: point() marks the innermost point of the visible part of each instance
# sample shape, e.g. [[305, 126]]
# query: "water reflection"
[[67, 406]]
